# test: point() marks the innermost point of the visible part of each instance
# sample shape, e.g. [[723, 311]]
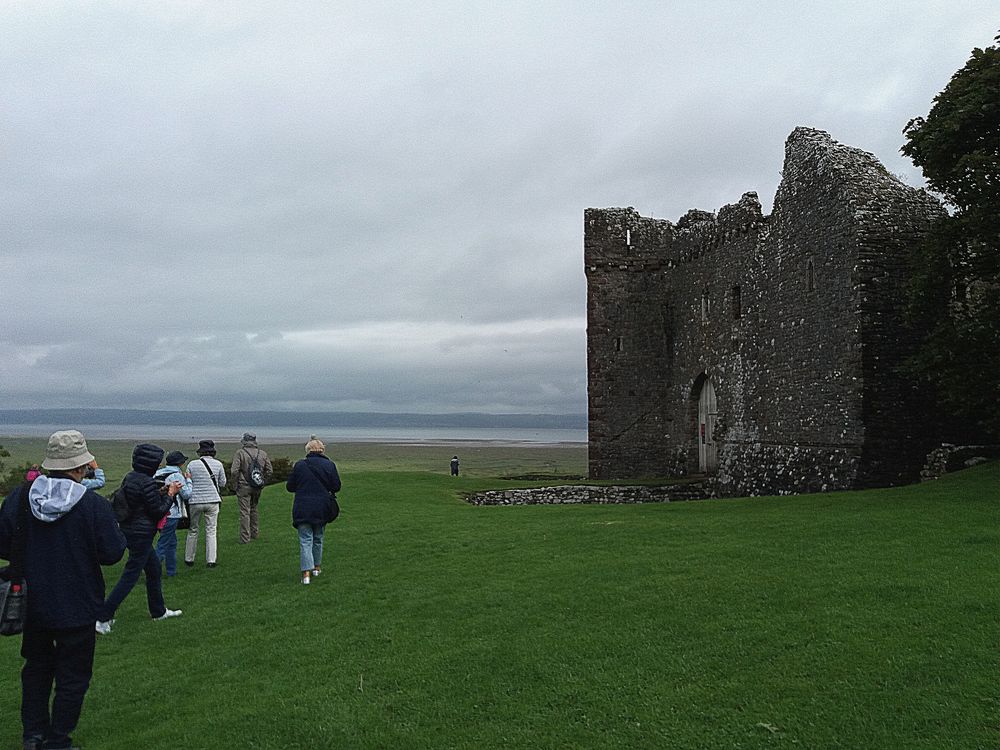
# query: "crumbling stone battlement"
[[763, 350]]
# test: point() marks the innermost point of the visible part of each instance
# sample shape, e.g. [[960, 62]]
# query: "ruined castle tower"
[[764, 350]]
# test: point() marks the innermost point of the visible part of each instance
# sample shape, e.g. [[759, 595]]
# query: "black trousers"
[[63, 657]]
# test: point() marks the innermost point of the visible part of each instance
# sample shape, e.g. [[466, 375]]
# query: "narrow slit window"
[[737, 302], [810, 277], [628, 237], [618, 344], [706, 305]]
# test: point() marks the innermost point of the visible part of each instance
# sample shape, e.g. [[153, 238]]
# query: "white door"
[[708, 454]]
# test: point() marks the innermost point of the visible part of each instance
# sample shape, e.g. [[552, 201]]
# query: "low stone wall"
[[577, 494], [950, 457]]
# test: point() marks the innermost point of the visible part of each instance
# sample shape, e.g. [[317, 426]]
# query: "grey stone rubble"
[[946, 458], [576, 494], [763, 350], [950, 457]]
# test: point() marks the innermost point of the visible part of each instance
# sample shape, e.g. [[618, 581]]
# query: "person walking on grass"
[[312, 480], [166, 545], [207, 476], [68, 533], [148, 503], [249, 473]]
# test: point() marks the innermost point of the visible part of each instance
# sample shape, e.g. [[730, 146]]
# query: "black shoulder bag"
[[13, 589], [211, 475], [334, 507]]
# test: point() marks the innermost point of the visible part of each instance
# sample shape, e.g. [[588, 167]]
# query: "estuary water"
[[330, 434]]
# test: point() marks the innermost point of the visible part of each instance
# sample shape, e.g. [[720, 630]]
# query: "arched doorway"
[[708, 452]]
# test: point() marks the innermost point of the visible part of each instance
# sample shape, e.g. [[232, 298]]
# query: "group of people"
[[69, 531]]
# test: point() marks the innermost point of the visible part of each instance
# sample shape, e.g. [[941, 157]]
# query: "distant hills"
[[287, 419]]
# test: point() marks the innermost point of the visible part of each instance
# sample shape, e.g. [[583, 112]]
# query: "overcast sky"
[[378, 206]]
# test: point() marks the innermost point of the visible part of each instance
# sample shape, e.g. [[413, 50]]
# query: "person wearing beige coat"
[[248, 496]]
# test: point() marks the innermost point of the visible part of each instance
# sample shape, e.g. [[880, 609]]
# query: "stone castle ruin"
[[761, 350]]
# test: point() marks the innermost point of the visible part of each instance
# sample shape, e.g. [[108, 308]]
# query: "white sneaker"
[[104, 627], [315, 572], [305, 578], [169, 613]]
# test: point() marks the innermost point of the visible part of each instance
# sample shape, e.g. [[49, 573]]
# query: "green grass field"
[[850, 620]]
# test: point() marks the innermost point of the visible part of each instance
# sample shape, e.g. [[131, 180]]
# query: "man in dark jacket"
[[70, 533], [148, 503]]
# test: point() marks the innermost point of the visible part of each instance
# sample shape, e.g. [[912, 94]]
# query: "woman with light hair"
[[314, 481]]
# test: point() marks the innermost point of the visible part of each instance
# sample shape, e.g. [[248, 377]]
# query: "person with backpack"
[[249, 473], [207, 476], [314, 481], [68, 532], [140, 504]]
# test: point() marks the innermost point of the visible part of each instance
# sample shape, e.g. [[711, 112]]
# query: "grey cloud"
[[190, 189]]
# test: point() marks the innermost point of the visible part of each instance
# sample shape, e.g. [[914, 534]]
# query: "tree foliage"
[[955, 293]]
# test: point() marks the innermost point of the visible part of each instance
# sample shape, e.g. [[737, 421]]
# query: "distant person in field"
[[69, 533], [454, 466], [208, 476], [312, 480], [166, 545], [248, 474], [95, 477], [148, 502]]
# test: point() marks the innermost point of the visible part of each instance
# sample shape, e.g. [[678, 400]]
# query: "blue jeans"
[[166, 546], [310, 545], [141, 559]]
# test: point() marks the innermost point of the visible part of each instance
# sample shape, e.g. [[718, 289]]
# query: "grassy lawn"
[[850, 620]]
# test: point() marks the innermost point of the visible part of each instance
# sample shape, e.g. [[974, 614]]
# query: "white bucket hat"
[[66, 450]]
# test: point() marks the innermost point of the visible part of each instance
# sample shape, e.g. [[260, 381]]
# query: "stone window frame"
[[736, 300], [810, 275]]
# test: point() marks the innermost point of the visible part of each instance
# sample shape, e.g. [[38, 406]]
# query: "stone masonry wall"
[[584, 494], [795, 318]]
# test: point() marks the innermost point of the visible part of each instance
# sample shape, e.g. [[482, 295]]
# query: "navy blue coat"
[[146, 504], [312, 498], [63, 559]]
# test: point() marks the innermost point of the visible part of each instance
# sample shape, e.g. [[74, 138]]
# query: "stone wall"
[[794, 319], [581, 494], [949, 457]]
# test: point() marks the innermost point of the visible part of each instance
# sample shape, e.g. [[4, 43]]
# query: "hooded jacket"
[[71, 532], [146, 504]]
